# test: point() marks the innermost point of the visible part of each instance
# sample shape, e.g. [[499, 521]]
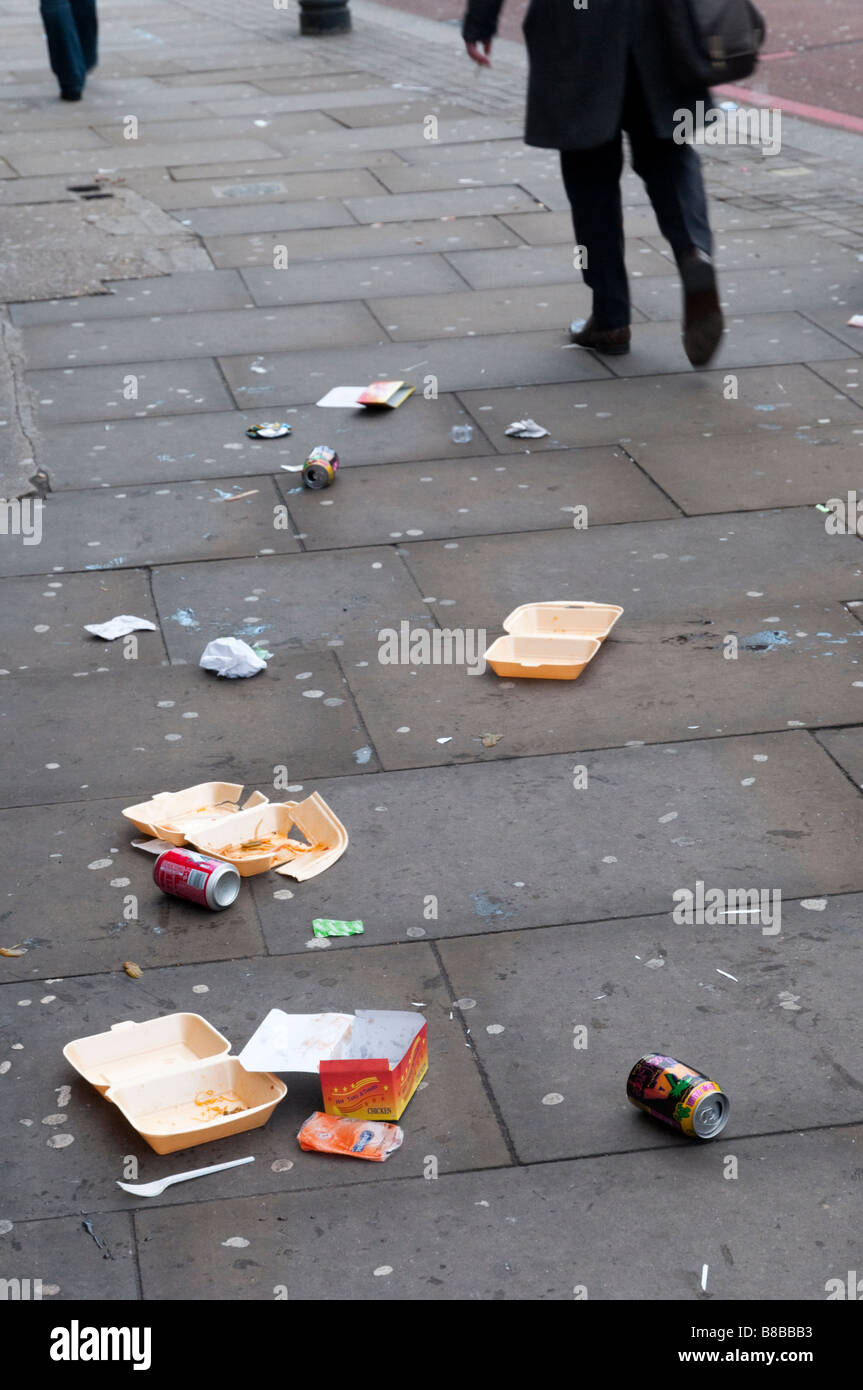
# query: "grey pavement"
[[295, 214]]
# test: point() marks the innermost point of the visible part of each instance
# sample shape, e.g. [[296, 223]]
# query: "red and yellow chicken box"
[[370, 1063]]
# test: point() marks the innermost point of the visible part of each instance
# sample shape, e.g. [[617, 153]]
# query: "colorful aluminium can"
[[319, 469], [677, 1094], [186, 874]]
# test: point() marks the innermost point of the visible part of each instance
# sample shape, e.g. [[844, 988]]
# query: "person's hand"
[[479, 52]]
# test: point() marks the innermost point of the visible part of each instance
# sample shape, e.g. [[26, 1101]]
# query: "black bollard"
[[324, 17]]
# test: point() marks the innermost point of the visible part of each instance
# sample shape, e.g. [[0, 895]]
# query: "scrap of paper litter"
[[526, 429], [120, 627], [333, 926]]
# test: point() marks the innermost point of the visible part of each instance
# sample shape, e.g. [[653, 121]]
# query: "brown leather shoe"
[[702, 317], [614, 342]]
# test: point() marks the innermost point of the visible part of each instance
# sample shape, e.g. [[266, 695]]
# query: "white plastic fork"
[[155, 1189]]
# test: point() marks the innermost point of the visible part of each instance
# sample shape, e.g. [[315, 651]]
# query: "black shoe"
[[67, 95], [614, 342], [702, 317]]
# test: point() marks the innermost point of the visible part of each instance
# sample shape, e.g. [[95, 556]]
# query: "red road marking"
[[821, 114]]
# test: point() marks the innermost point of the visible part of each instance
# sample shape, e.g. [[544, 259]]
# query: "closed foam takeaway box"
[[370, 1063]]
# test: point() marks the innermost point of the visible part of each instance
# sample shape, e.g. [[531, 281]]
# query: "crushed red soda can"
[[183, 873], [336, 1134], [319, 469]]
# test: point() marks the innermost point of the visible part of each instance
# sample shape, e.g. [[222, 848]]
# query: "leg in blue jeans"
[[71, 29]]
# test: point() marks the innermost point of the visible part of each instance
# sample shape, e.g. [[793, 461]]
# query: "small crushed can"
[[319, 469], [680, 1096], [186, 874]]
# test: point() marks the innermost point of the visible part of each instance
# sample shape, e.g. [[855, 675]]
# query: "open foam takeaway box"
[[370, 1063]]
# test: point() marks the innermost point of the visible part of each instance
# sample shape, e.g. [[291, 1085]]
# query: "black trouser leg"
[[672, 177], [592, 182]]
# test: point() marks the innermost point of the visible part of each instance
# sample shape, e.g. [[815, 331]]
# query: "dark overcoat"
[[578, 62]]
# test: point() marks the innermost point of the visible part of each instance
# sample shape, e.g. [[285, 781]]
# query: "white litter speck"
[[5, 1228], [283, 894], [312, 694], [64, 1094], [526, 429], [448, 739], [404, 729], [382, 1271], [754, 593], [165, 704], [494, 1028], [814, 904], [318, 943], [465, 1003], [200, 989], [727, 976], [55, 1119], [655, 963], [759, 757], [672, 815], [22, 1003], [100, 864], [553, 1098], [120, 882], [789, 1001], [704, 1269], [61, 1141], [236, 1242], [282, 1165], [415, 932], [747, 781], [47, 999], [609, 859]]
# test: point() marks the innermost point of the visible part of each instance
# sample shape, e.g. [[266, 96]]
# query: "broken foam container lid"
[[168, 815]]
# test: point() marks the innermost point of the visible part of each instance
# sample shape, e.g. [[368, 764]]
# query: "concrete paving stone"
[[142, 156], [845, 746], [200, 193], [51, 189], [755, 340], [834, 318], [312, 159], [473, 312], [307, 66], [65, 1257], [744, 472], [481, 152], [355, 278], [313, 99], [555, 229], [320, 82], [63, 120], [462, 202], [654, 682], [748, 562], [266, 217], [397, 111], [153, 525], [80, 854], [570, 860], [539, 265], [750, 291], [246, 727], [208, 127], [842, 375], [45, 617], [508, 359], [535, 1233], [447, 498], [175, 447], [462, 169], [315, 603], [179, 293], [239, 995], [771, 247], [97, 393], [456, 131], [23, 142], [559, 976], [391, 239], [197, 335], [771, 399]]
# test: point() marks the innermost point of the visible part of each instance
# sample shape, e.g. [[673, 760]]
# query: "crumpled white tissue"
[[228, 656]]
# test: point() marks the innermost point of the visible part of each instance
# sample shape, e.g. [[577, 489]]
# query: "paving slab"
[[65, 1257], [413, 318], [209, 127], [665, 570], [179, 293], [352, 279], [398, 112], [843, 375], [190, 384], [266, 217], [653, 682], [143, 156], [540, 265], [761, 291], [665, 987], [833, 318], [845, 746], [540, 1233], [312, 159], [770, 399], [215, 445], [81, 854], [152, 525], [755, 340], [741, 472], [770, 247], [455, 497], [313, 99], [202, 193], [460, 202], [391, 239], [315, 602], [239, 994], [522, 847], [44, 621], [152, 746], [506, 360], [321, 82]]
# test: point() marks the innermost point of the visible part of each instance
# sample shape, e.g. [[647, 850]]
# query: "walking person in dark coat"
[[594, 72], [72, 31]]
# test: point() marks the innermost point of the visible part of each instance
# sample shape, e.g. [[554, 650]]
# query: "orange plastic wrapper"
[[335, 1134]]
